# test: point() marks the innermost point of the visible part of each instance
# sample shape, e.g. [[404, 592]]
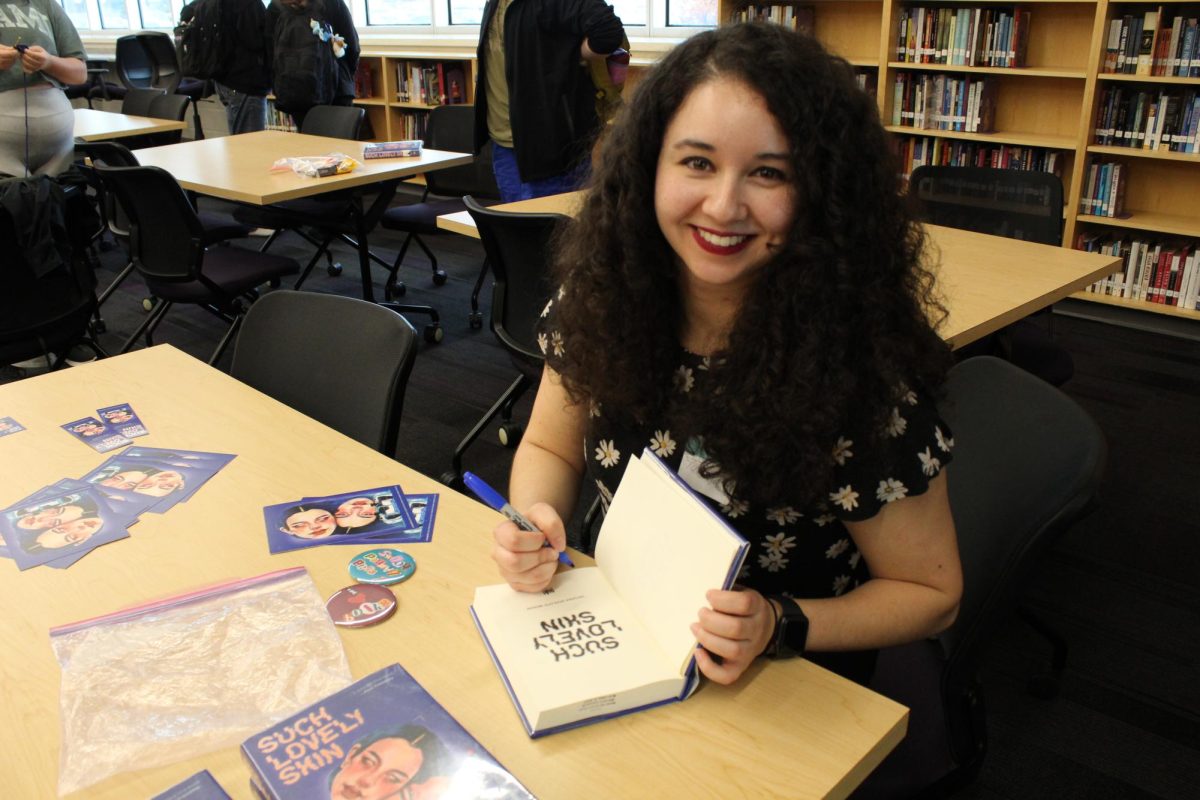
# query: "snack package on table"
[[317, 166]]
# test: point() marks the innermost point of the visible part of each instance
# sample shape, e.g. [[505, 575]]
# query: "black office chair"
[[138, 101], [360, 353], [1028, 462], [48, 296], [1015, 204], [169, 250], [518, 249], [450, 128], [166, 74]]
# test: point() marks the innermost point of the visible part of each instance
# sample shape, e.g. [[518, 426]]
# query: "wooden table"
[[790, 729], [239, 168], [987, 282], [95, 126]]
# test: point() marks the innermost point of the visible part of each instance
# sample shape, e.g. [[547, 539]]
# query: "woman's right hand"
[[8, 56], [524, 562]]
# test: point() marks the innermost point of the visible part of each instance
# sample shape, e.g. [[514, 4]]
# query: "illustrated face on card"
[[59, 526], [9, 425], [335, 519], [149, 478], [95, 434], [122, 419]]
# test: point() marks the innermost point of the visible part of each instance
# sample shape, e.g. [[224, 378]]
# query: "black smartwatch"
[[791, 630]]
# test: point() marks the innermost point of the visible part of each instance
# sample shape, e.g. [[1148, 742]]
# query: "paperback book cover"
[[383, 736], [615, 638]]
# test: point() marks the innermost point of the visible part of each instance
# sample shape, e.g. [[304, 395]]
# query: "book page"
[[661, 549], [572, 644]]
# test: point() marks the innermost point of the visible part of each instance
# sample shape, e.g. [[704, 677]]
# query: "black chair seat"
[[221, 225], [194, 88], [233, 269], [420, 217]]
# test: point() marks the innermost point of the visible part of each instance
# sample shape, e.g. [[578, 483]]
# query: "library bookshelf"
[[1048, 107], [399, 89]]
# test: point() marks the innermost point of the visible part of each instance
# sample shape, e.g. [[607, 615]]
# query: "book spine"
[[1146, 43]]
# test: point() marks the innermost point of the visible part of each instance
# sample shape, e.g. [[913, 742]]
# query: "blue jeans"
[[245, 112], [512, 188]]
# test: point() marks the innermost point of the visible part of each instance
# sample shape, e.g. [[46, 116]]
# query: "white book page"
[[662, 549], [577, 642]]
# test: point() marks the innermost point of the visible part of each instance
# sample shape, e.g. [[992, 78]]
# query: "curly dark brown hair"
[[838, 319]]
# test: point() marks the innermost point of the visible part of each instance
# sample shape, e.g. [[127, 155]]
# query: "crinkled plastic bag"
[[317, 166], [182, 676]]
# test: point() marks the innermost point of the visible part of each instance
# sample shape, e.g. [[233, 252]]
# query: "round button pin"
[[382, 565], [361, 605]]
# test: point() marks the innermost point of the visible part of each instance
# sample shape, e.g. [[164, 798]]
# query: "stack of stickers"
[[385, 515], [61, 523], [116, 427]]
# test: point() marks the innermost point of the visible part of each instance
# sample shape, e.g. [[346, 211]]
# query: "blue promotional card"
[[424, 510], [336, 519], [95, 434], [199, 463], [168, 483], [60, 527], [201, 786], [8, 425], [122, 419]]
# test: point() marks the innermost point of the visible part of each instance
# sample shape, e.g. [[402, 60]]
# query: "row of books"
[[364, 80], [971, 37], [410, 126], [867, 80], [1151, 44], [278, 120], [918, 151], [1149, 119], [1103, 192], [943, 102], [432, 83], [797, 18], [1152, 270]]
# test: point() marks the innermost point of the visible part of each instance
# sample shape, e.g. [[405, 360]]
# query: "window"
[[399, 12], [113, 14], [631, 12], [77, 13], [156, 13], [466, 12], [691, 13]]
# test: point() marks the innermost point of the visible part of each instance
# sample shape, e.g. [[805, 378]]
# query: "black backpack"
[[204, 39], [305, 69]]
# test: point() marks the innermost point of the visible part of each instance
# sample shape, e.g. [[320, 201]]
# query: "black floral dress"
[[798, 551]]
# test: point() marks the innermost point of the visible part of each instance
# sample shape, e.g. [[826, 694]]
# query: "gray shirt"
[[40, 22]]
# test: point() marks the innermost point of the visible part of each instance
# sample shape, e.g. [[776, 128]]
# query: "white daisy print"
[[783, 515], [890, 490], [840, 584], [944, 442], [735, 508], [562, 290], [842, 451], [661, 444], [772, 561], [897, 424], [684, 379], [855, 557], [546, 310], [909, 397], [605, 495], [779, 542], [929, 463], [607, 454], [705, 363], [556, 341], [593, 408], [837, 548], [845, 497], [543, 342], [824, 520]]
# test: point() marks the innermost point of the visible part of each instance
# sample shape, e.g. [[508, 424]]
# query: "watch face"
[[794, 631]]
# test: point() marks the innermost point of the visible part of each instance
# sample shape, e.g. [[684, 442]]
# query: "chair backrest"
[[165, 237], [342, 361], [109, 154], [135, 69], [453, 128], [1005, 202], [139, 101], [518, 251], [1028, 462], [168, 106], [164, 60], [337, 122]]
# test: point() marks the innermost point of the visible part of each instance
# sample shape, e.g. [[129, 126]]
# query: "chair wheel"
[[334, 269], [433, 333], [439, 277], [394, 289], [475, 319], [510, 433], [451, 479], [148, 303]]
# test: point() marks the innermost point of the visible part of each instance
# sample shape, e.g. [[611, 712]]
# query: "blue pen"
[[494, 499]]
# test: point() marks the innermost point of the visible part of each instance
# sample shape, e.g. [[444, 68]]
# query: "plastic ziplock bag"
[[317, 166], [185, 675]]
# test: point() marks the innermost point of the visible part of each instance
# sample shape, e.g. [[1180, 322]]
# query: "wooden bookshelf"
[[1049, 103], [391, 117]]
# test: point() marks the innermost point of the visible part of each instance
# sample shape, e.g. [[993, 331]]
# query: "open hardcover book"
[[607, 640]]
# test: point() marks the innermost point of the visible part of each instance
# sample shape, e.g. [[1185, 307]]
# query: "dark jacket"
[[337, 14], [552, 104], [249, 70]]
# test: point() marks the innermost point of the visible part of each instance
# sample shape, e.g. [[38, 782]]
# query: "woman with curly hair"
[[743, 293]]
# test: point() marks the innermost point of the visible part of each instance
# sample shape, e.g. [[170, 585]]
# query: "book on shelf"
[[608, 640], [383, 735], [400, 149], [1145, 56], [364, 81], [1165, 271]]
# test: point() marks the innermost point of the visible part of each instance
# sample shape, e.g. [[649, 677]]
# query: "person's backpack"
[[204, 40], [305, 68]]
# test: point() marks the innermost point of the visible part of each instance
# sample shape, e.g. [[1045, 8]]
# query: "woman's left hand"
[[34, 58], [736, 629]]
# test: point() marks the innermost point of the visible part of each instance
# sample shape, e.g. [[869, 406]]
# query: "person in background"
[[244, 86], [534, 98], [40, 52], [334, 27]]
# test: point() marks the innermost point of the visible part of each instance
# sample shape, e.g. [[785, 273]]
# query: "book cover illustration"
[[202, 465], [423, 508], [9, 426], [201, 786], [373, 515], [95, 434], [170, 483], [383, 736], [63, 526], [123, 419]]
